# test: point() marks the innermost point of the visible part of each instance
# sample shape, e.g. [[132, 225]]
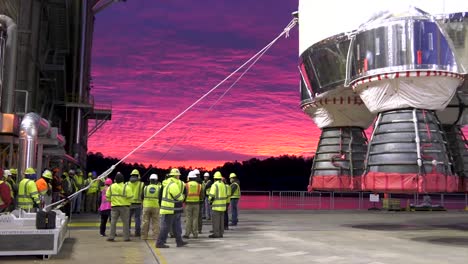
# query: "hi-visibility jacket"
[[237, 193], [94, 188], [193, 192], [151, 196], [119, 194], [42, 186], [27, 194], [170, 195], [137, 188], [78, 181], [218, 195], [228, 193]]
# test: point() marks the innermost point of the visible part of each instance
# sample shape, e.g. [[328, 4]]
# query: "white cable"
[[107, 172]]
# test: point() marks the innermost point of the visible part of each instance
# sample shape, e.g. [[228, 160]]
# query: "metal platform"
[[19, 235]]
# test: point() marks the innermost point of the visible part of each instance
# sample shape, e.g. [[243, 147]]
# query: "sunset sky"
[[153, 59]]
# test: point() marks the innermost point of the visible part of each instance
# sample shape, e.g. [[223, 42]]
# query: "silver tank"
[[338, 111]]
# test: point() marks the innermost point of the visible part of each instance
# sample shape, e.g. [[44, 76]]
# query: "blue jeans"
[[167, 221], [177, 227], [135, 209], [234, 211], [207, 209], [77, 203]]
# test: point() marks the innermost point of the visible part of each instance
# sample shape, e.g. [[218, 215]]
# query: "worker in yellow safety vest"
[[28, 196], [218, 196], [171, 194], [136, 207], [150, 198], [91, 193], [120, 196], [192, 205], [235, 196], [44, 187]]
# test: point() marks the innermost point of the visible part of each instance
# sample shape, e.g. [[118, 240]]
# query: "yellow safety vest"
[[94, 188], [137, 188], [151, 196], [27, 194], [78, 181], [218, 195], [193, 192], [171, 194], [1, 200], [119, 194], [237, 193]]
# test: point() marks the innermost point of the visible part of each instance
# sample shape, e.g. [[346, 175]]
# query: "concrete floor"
[[288, 237]]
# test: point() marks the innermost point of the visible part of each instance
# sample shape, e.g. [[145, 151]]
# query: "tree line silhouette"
[[283, 173]]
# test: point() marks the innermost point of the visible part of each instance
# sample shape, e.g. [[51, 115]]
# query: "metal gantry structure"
[[45, 69]]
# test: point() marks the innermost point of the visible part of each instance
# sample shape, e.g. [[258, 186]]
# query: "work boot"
[[185, 236], [162, 246], [214, 236], [110, 239], [183, 243]]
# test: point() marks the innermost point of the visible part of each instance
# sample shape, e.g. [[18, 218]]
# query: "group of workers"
[[162, 205], [32, 193]]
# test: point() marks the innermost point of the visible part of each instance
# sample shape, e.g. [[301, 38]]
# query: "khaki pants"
[[91, 202], [192, 210], [218, 223], [150, 216], [124, 213]]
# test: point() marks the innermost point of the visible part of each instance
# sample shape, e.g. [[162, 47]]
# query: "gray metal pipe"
[[8, 91], [32, 126], [84, 16]]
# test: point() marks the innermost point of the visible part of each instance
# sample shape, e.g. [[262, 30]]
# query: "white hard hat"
[[196, 171], [206, 174], [153, 176], [192, 175], [6, 173]]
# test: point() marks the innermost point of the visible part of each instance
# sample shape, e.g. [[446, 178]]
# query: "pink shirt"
[[105, 204]]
